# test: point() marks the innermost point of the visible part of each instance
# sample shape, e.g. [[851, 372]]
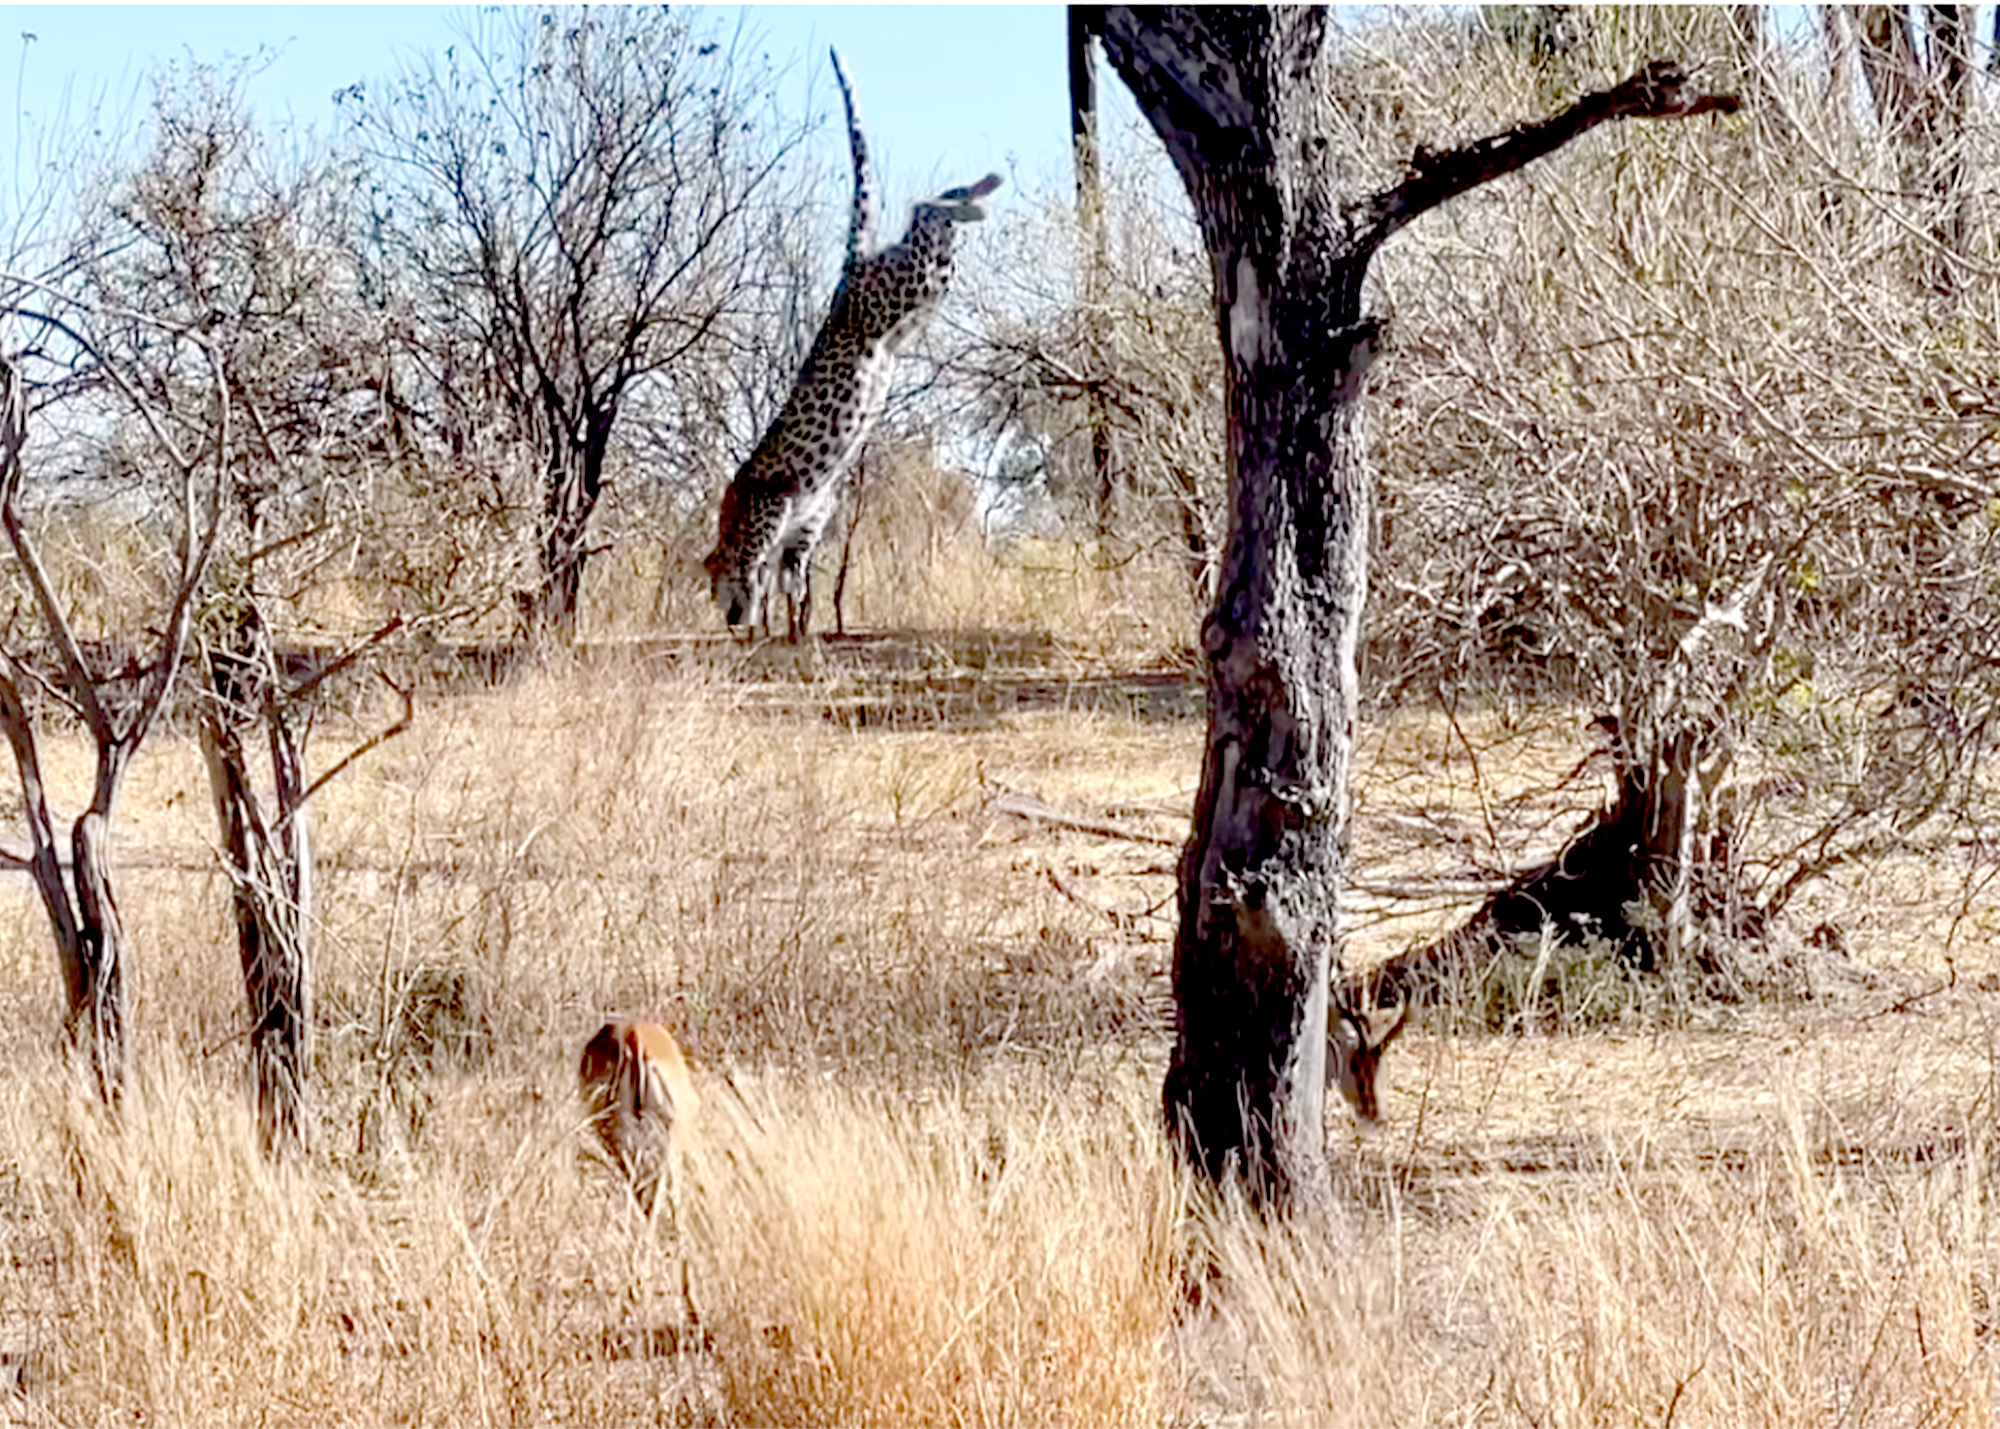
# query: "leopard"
[[777, 507]]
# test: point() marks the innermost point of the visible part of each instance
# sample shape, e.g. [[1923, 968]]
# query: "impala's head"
[[1356, 1038]]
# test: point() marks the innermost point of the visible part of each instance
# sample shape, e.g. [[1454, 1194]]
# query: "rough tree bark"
[[270, 873], [1241, 98]]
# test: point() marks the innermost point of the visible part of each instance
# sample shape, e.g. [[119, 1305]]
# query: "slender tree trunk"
[[1241, 99], [1194, 532], [270, 878], [100, 1021], [45, 864], [1837, 34], [857, 487], [81, 907], [1083, 23], [90, 939]]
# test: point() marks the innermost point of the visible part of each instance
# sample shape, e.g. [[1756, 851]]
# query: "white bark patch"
[[1246, 315]]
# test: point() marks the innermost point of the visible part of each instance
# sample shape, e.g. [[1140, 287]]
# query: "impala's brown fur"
[[642, 1102], [1356, 1038]]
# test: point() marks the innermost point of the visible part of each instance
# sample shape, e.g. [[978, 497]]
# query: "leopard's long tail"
[[860, 235]]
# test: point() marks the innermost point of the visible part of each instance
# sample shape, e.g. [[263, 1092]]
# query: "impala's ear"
[[1385, 1025], [1344, 1029], [599, 1064]]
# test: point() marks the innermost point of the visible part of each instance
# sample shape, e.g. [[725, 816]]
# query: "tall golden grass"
[[932, 1190], [931, 1034]]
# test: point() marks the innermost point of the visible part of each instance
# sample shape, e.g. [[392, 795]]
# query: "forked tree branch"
[[196, 553], [343, 660], [374, 742], [13, 437], [198, 538]]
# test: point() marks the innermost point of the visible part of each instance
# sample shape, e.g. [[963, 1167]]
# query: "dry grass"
[[966, 1258], [931, 1190], [921, 562], [931, 1033], [1774, 1290]]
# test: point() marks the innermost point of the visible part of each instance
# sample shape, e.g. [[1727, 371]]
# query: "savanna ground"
[[932, 1187]]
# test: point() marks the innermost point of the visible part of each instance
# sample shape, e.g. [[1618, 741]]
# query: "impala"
[[1356, 1038], [642, 1102]]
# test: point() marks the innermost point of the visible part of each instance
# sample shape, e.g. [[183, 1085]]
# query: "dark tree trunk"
[[1653, 848], [82, 909], [553, 611], [1241, 99], [575, 482], [270, 873]]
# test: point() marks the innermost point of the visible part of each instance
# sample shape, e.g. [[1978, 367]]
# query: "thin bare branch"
[[367, 746]]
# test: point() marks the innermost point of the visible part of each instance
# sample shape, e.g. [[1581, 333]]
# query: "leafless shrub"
[[1692, 441], [1137, 336], [1691, 433], [562, 211]]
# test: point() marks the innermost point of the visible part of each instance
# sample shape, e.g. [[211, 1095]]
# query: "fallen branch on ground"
[[1024, 806]]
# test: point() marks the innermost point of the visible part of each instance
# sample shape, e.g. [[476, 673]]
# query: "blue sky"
[[947, 92]]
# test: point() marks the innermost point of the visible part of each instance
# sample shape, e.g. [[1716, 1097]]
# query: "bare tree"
[[1720, 480], [1241, 100], [79, 896], [212, 232], [572, 198], [1115, 356]]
